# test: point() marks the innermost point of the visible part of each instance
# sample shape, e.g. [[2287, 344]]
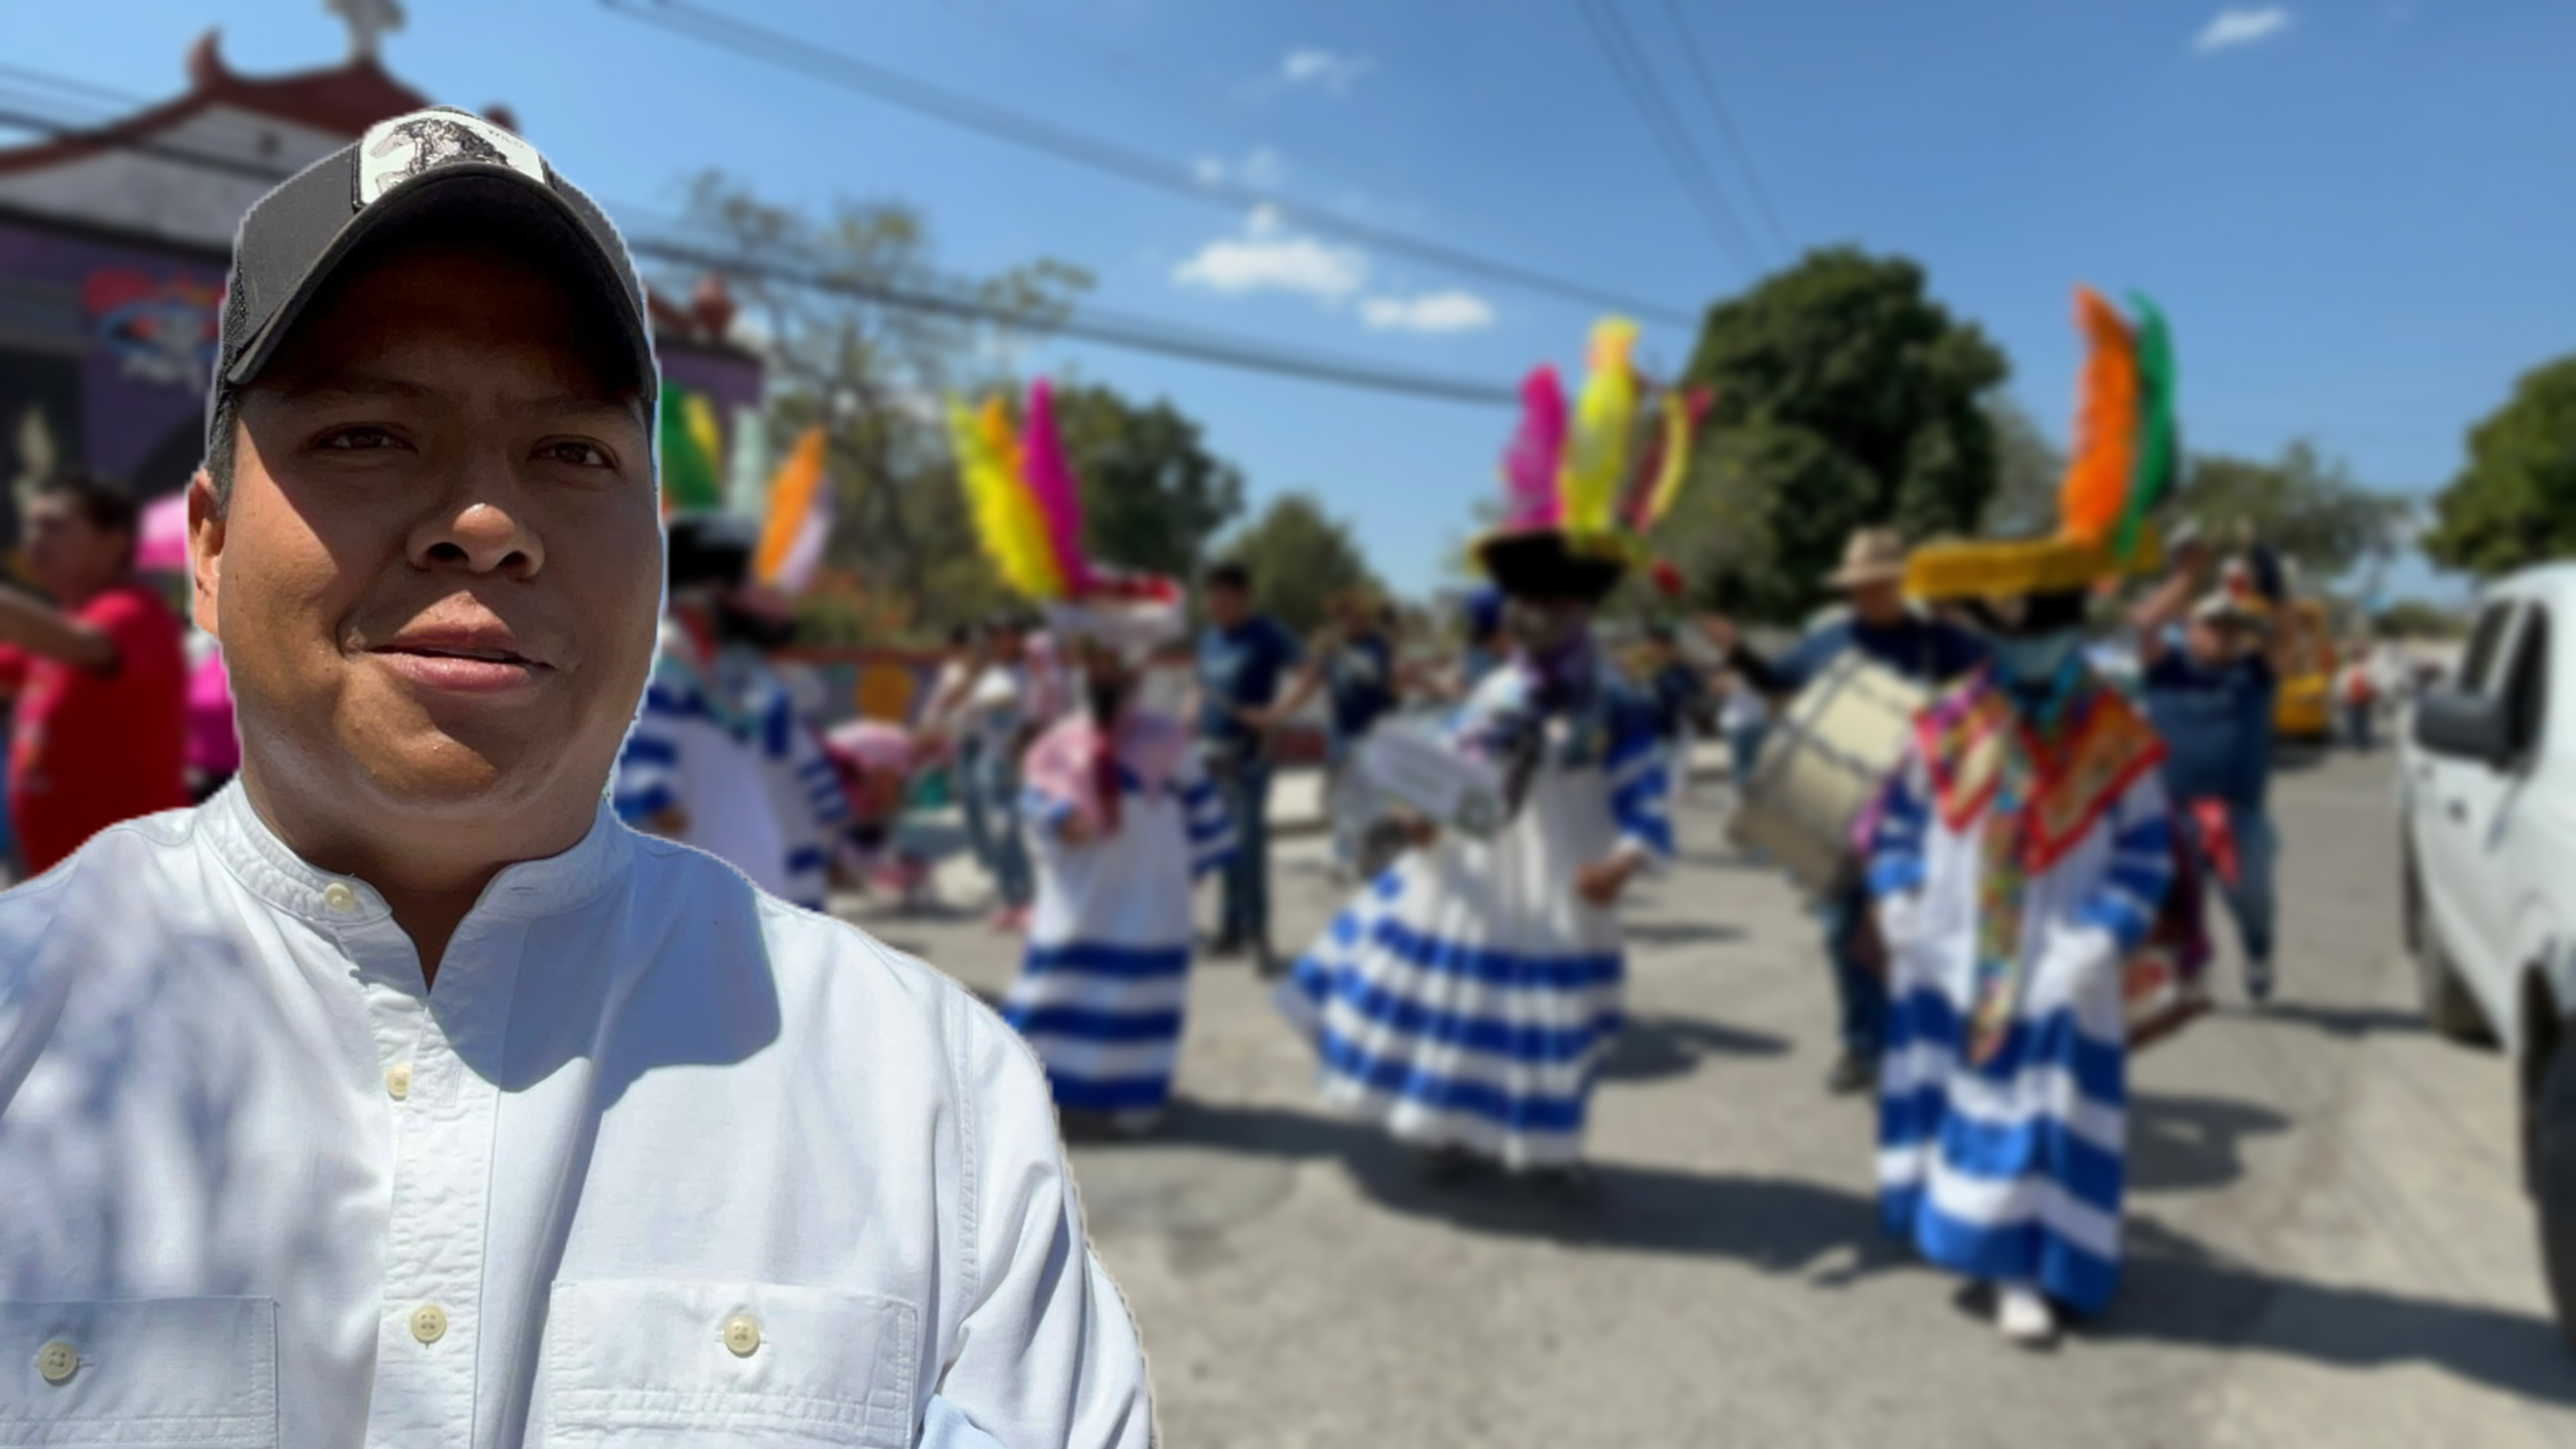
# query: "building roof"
[[343, 100]]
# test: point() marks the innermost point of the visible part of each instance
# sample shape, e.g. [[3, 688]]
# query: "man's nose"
[[481, 525]]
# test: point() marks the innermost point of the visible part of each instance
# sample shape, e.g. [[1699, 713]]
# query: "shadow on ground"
[[2174, 1289], [2191, 1143], [1654, 1047]]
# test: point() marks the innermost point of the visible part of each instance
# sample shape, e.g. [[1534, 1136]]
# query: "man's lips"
[[463, 660]]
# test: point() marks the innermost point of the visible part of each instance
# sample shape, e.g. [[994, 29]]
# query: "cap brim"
[[467, 200]]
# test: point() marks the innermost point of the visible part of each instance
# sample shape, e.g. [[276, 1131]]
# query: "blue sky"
[[2356, 214]]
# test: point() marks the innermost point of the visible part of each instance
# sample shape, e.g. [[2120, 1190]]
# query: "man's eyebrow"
[[350, 384]]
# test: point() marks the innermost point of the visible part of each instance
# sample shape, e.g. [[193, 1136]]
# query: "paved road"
[[2327, 1242]]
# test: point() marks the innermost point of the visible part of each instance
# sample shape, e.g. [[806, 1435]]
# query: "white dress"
[[1105, 979], [2011, 1169], [1468, 996]]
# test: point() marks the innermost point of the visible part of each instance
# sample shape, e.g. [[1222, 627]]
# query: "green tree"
[[1845, 397], [2515, 502], [1152, 494], [2306, 506], [874, 374], [1300, 556], [2029, 469]]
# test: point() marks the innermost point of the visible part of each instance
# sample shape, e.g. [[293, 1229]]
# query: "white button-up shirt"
[[660, 1157]]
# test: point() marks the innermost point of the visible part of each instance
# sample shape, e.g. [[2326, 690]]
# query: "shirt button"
[[742, 1335], [57, 1361], [429, 1323], [398, 1080], [339, 898]]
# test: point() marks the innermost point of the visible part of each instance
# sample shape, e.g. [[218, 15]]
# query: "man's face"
[[437, 577], [1878, 603], [1227, 605], [1545, 624], [2211, 642], [69, 557]]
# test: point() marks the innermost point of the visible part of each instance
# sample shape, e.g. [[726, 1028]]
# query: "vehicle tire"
[[2449, 1008], [2553, 1184]]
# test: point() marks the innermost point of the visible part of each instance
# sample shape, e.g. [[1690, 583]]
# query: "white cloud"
[[2230, 28], [1446, 311], [1269, 258], [1310, 65]]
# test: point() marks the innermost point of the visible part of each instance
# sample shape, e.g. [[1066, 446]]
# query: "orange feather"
[[2096, 489]]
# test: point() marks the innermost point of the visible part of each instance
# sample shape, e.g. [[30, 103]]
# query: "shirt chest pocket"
[[644, 1362], [140, 1373]]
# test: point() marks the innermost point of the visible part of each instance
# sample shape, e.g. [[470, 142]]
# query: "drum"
[[1822, 765]]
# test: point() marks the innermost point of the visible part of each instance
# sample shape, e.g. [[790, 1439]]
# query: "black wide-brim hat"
[[1549, 563]]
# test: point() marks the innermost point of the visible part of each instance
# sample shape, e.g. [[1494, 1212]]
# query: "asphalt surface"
[[2327, 1240]]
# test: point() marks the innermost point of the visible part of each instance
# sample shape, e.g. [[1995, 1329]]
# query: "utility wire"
[[850, 73], [1701, 72], [1113, 329], [1637, 78], [1063, 42], [1136, 334]]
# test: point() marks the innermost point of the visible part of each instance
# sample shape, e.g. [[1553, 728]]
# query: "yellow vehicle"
[[2304, 709]]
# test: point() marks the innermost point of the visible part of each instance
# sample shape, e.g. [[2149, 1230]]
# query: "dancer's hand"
[[1073, 830], [1600, 883]]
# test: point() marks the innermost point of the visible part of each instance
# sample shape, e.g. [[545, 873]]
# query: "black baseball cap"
[[440, 169]]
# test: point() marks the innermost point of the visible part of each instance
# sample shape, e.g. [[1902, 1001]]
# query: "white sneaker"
[[2025, 1317]]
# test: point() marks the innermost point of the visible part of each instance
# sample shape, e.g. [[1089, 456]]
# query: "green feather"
[[2159, 456]]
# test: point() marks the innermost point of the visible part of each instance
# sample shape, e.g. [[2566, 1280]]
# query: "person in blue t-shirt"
[[2210, 693], [1930, 652], [1354, 665], [1244, 660]]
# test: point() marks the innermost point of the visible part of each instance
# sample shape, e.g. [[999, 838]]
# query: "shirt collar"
[[527, 890]]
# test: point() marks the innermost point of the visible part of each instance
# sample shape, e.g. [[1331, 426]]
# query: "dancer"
[[1467, 999], [2024, 851], [1121, 819]]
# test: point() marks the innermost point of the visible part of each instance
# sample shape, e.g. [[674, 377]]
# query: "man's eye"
[[359, 440], [575, 454]]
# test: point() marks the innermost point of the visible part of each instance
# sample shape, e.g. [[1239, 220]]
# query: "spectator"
[[1745, 720], [2357, 692], [1243, 660], [1355, 664], [1004, 710], [99, 676], [2212, 699]]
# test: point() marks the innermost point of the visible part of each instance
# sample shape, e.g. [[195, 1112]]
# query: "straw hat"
[[1873, 556]]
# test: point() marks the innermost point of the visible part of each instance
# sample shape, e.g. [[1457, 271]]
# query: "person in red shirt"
[[100, 679]]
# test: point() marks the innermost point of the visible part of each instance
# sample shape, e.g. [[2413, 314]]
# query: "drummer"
[[1926, 650], [2023, 853]]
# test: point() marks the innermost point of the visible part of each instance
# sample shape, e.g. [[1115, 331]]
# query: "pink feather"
[[1530, 498], [1050, 481]]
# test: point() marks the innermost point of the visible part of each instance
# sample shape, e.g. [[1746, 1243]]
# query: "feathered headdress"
[[1580, 493], [1028, 514], [2126, 460]]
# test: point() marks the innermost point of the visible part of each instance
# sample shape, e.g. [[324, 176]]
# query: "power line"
[[850, 73], [1111, 329], [1064, 43], [1726, 124], [1092, 324], [1637, 78]]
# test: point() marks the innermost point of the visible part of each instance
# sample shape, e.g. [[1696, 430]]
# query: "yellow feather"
[[1597, 462], [1676, 460], [1006, 517]]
